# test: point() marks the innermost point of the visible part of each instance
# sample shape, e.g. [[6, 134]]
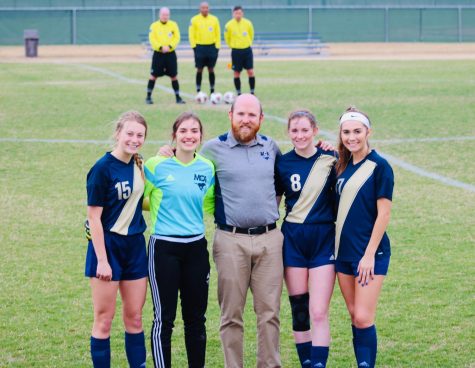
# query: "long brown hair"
[[185, 116], [137, 117], [344, 155]]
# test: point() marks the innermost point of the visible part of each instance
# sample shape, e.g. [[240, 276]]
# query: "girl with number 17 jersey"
[[364, 190]]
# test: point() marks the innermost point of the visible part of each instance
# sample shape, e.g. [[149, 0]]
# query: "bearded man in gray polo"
[[247, 247]]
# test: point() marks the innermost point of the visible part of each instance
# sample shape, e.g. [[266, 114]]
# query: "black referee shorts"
[[205, 55], [242, 58], [164, 64]]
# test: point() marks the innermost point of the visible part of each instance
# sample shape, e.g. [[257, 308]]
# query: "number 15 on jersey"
[[123, 190]]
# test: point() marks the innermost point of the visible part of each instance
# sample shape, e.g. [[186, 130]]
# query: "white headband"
[[357, 116]]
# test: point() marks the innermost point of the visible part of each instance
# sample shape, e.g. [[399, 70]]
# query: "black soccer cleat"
[[180, 101], [149, 101]]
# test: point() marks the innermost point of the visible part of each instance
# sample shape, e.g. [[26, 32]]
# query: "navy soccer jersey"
[[358, 188], [308, 186], [117, 187]]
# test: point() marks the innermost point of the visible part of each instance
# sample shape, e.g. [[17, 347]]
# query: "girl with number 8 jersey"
[[116, 256], [306, 176], [364, 191]]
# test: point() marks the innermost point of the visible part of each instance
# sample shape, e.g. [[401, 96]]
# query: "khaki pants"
[[249, 261]]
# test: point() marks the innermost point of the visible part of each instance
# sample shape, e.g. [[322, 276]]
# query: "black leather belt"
[[249, 231]]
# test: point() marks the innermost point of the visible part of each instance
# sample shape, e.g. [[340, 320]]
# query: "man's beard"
[[245, 137]]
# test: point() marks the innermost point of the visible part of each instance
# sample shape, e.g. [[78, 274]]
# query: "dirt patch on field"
[[334, 51]]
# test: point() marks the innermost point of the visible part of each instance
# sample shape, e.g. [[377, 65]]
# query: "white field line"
[[329, 135]]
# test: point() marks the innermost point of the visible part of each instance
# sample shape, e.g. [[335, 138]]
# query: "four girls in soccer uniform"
[[364, 190], [116, 258], [306, 175], [179, 189]]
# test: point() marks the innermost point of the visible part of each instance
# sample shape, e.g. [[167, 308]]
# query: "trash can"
[[31, 42]]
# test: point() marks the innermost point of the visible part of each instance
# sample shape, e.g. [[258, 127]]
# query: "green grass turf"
[[426, 316]]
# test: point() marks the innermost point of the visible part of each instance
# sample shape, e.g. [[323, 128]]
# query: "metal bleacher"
[[266, 44]]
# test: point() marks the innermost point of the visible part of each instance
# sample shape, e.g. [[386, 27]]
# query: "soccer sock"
[[199, 76], [176, 88], [304, 352], [212, 79], [252, 84], [366, 343], [150, 86], [319, 356], [353, 330], [237, 84], [135, 349], [101, 352], [374, 347]]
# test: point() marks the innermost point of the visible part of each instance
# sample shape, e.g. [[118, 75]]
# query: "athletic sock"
[[135, 349], [304, 353], [199, 76], [252, 84], [374, 347], [353, 330], [176, 88], [366, 343], [237, 84], [319, 356], [212, 79], [150, 86], [101, 352]]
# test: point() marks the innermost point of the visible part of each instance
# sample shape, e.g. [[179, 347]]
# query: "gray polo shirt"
[[245, 187]]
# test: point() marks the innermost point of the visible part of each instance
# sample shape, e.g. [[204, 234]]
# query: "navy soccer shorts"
[[308, 245], [381, 266], [126, 255], [242, 59]]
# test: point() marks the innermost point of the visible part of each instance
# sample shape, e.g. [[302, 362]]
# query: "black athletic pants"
[[176, 266]]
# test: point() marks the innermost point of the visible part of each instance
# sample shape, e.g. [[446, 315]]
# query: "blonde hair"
[[137, 117]]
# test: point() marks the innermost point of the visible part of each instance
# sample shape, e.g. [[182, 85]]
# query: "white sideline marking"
[[421, 172], [395, 161]]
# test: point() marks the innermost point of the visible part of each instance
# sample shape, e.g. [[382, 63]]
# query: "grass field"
[[426, 316]]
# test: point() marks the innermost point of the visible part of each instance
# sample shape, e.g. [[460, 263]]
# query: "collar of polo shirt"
[[233, 142]]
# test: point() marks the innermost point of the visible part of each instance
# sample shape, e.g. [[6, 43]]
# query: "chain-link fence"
[[343, 23]]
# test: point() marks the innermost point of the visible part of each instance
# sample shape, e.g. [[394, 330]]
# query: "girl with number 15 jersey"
[[116, 256]]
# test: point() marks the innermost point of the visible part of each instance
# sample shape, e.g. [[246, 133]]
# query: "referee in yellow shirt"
[[205, 40], [164, 37], [239, 34]]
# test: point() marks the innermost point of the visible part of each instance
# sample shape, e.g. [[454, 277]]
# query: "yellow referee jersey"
[[164, 34], [204, 31], [239, 35]]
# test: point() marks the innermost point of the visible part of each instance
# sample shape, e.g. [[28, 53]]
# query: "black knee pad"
[[300, 313]]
